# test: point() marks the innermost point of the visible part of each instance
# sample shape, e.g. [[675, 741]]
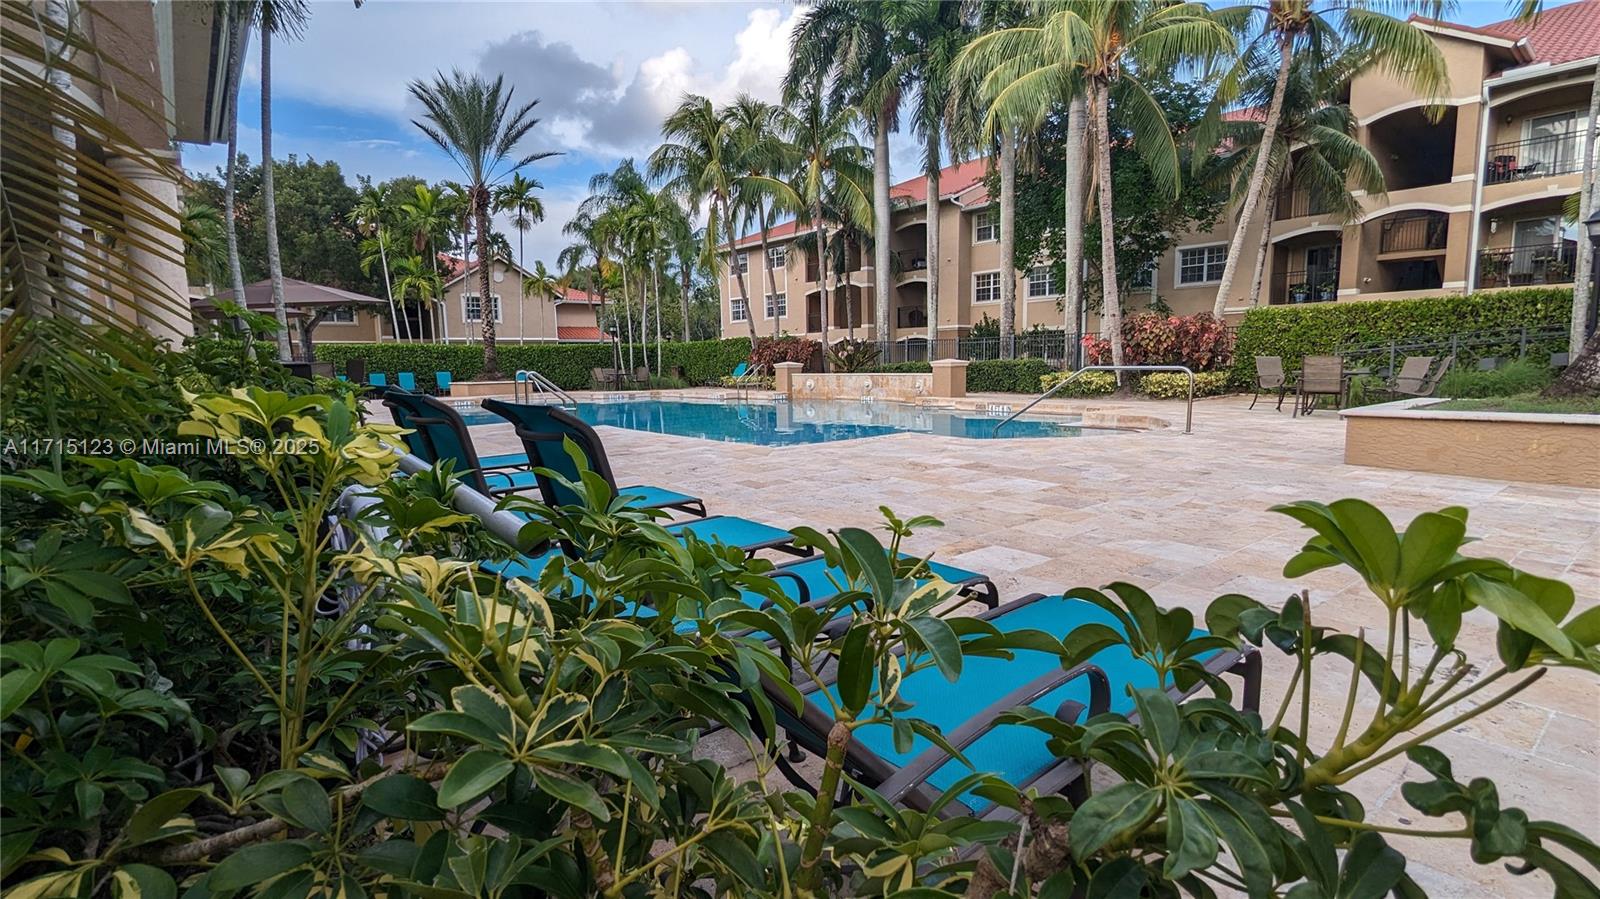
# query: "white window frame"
[[979, 223], [741, 264], [346, 316], [1049, 275], [1177, 264], [782, 298], [499, 309], [997, 286], [1151, 273], [738, 309], [781, 262]]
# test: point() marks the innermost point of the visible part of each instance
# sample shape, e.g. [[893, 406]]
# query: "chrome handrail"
[[1188, 415], [544, 385]]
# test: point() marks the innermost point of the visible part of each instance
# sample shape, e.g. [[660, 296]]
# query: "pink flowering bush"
[[1149, 338]]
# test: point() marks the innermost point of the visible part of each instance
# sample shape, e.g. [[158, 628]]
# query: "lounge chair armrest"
[[916, 773]]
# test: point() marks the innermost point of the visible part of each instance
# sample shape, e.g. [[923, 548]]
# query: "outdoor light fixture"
[[1494, 226], [1592, 223]]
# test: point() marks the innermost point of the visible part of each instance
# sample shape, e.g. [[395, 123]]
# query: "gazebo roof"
[[296, 294]]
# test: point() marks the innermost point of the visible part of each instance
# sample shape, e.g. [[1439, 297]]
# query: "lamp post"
[[1592, 226]]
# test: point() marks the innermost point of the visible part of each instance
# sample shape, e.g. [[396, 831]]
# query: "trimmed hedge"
[[902, 367], [1174, 385], [1294, 332], [1006, 375], [1090, 383], [569, 365]]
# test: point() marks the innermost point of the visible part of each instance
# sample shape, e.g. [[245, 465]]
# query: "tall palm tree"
[[1282, 30], [371, 216], [695, 164], [413, 275], [473, 121], [686, 246], [756, 130], [287, 18], [611, 195], [239, 22], [517, 197], [543, 285], [1108, 45], [205, 247], [1315, 148], [848, 43]]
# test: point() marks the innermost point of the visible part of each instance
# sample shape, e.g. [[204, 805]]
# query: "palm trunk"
[[883, 231], [269, 202], [522, 294], [656, 275], [444, 312], [1582, 280], [644, 321], [230, 190], [491, 352], [1258, 174], [1077, 160], [822, 275], [388, 286], [931, 210], [627, 316], [772, 276], [1008, 243], [683, 299], [733, 263], [1273, 190], [1111, 311]]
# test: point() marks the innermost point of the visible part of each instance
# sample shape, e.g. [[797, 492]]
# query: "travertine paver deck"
[[1187, 518]]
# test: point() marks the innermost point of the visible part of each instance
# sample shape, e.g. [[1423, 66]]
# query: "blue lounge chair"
[[543, 429], [966, 711], [377, 379], [814, 580], [441, 380], [407, 381], [343, 377], [740, 370]]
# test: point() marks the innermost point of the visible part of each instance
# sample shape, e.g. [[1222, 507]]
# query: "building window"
[[777, 305], [741, 263], [344, 316], [738, 310], [777, 257], [1042, 282], [473, 309], [986, 287], [1145, 278], [986, 226], [1201, 265]]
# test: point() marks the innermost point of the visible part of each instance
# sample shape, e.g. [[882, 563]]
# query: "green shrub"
[[569, 365], [1090, 383], [1521, 376], [1173, 385], [903, 367], [1006, 375], [1294, 332]]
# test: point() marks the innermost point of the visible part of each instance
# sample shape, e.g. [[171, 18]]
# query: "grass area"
[[1522, 402]]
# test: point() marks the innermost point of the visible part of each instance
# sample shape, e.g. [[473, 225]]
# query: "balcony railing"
[[910, 317], [1516, 266], [1539, 157], [1297, 203], [1428, 231], [1313, 285]]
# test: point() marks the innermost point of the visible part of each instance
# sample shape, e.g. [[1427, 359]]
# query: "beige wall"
[[527, 319]]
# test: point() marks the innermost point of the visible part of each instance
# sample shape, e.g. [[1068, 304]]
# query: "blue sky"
[[604, 72]]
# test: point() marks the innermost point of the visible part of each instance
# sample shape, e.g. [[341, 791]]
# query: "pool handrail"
[[1188, 415], [536, 381]]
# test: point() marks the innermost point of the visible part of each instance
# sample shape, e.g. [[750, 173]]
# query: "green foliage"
[[1090, 383], [1174, 385], [1294, 332], [912, 367], [1006, 375], [1527, 402], [853, 356], [1198, 341], [1517, 376], [569, 365]]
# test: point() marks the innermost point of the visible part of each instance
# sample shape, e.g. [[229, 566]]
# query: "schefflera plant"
[[1213, 797]]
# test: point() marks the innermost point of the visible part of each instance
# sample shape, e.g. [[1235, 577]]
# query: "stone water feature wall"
[[948, 380]]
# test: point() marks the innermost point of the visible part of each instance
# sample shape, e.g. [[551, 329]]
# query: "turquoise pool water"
[[788, 424]]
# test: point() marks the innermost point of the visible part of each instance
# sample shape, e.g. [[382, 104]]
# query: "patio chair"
[[1270, 376], [378, 380], [1432, 383], [1320, 376], [406, 381], [441, 382], [966, 711], [1412, 378], [544, 430]]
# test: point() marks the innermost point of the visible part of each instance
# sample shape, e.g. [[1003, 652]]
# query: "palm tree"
[[274, 17], [611, 194], [695, 163], [472, 120], [413, 275], [370, 216], [1316, 149], [239, 20], [517, 198], [1287, 29], [688, 251], [543, 285], [851, 42], [205, 247], [759, 151], [1108, 45]]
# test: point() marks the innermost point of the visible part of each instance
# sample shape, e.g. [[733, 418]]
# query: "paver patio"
[[1186, 517]]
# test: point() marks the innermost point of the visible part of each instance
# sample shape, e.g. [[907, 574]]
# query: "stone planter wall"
[[948, 380], [1545, 449]]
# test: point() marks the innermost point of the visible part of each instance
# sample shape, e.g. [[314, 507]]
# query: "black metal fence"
[[1055, 347], [1538, 157], [1423, 231], [1384, 357]]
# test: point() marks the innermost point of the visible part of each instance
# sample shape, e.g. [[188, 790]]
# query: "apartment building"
[[1475, 183]]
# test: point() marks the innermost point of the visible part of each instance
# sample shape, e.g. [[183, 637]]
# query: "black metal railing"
[[1312, 285], [1425, 231], [1051, 346], [910, 317], [1383, 357], [1538, 157], [1524, 264], [1296, 203]]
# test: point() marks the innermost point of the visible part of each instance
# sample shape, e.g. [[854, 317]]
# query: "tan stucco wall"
[[530, 318], [1503, 450]]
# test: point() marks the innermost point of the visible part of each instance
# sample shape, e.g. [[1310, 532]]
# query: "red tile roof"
[[1559, 34], [577, 332], [574, 295], [1247, 114]]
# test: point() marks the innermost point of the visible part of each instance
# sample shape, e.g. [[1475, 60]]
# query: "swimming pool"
[[789, 424]]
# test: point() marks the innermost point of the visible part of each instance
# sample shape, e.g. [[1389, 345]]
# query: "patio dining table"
[[1306, 406]]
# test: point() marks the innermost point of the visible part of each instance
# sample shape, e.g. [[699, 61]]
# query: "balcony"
[[909, 267], [1311, 285], [1414, 232], [1297, 203], [910, 317], [1539, 157], [1525, 264]]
